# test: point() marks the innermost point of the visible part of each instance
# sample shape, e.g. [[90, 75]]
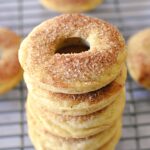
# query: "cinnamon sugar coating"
[[9, 64], [70, 73], [138, 60]]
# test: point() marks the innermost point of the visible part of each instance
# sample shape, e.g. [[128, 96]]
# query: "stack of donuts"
[[75, 99]]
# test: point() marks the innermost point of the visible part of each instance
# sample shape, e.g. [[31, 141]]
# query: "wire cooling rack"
[[130, 16]]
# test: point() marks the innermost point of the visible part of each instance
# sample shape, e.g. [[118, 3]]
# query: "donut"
[[73, 73], [138, 60], [4, 87], [10, 69], [45, 140], [41, 144], [78, 126], [77, 104], [110, 145], [70, 5]]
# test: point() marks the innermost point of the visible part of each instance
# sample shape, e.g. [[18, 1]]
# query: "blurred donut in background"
[[71, 6], [138, 60], [10, 70]]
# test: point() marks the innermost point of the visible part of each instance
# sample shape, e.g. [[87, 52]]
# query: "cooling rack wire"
[[129, 16]]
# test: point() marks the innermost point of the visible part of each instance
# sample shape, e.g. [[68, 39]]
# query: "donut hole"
[[73, 45]]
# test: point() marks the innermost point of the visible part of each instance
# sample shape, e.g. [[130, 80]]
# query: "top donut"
[[73, 72]]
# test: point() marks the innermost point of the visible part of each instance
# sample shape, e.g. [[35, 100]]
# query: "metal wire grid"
[[130, 16]]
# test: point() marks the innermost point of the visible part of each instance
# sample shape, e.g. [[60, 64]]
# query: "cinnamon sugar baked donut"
[[10, 69], [77, 104], [138, 59], [41, 143], [111, 145], [77, 126], [71, 5], [44, 139], [73, 73]]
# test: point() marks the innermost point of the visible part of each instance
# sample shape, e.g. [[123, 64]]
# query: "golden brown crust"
[[9, 64], [38, 54], [71, 1], [77, 104], [37, 124], [42, 143], [139, 57], [79, 117], [110, 145], [4, 87], [45, 140], [70, 5], [90, 98], [77, 126]]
